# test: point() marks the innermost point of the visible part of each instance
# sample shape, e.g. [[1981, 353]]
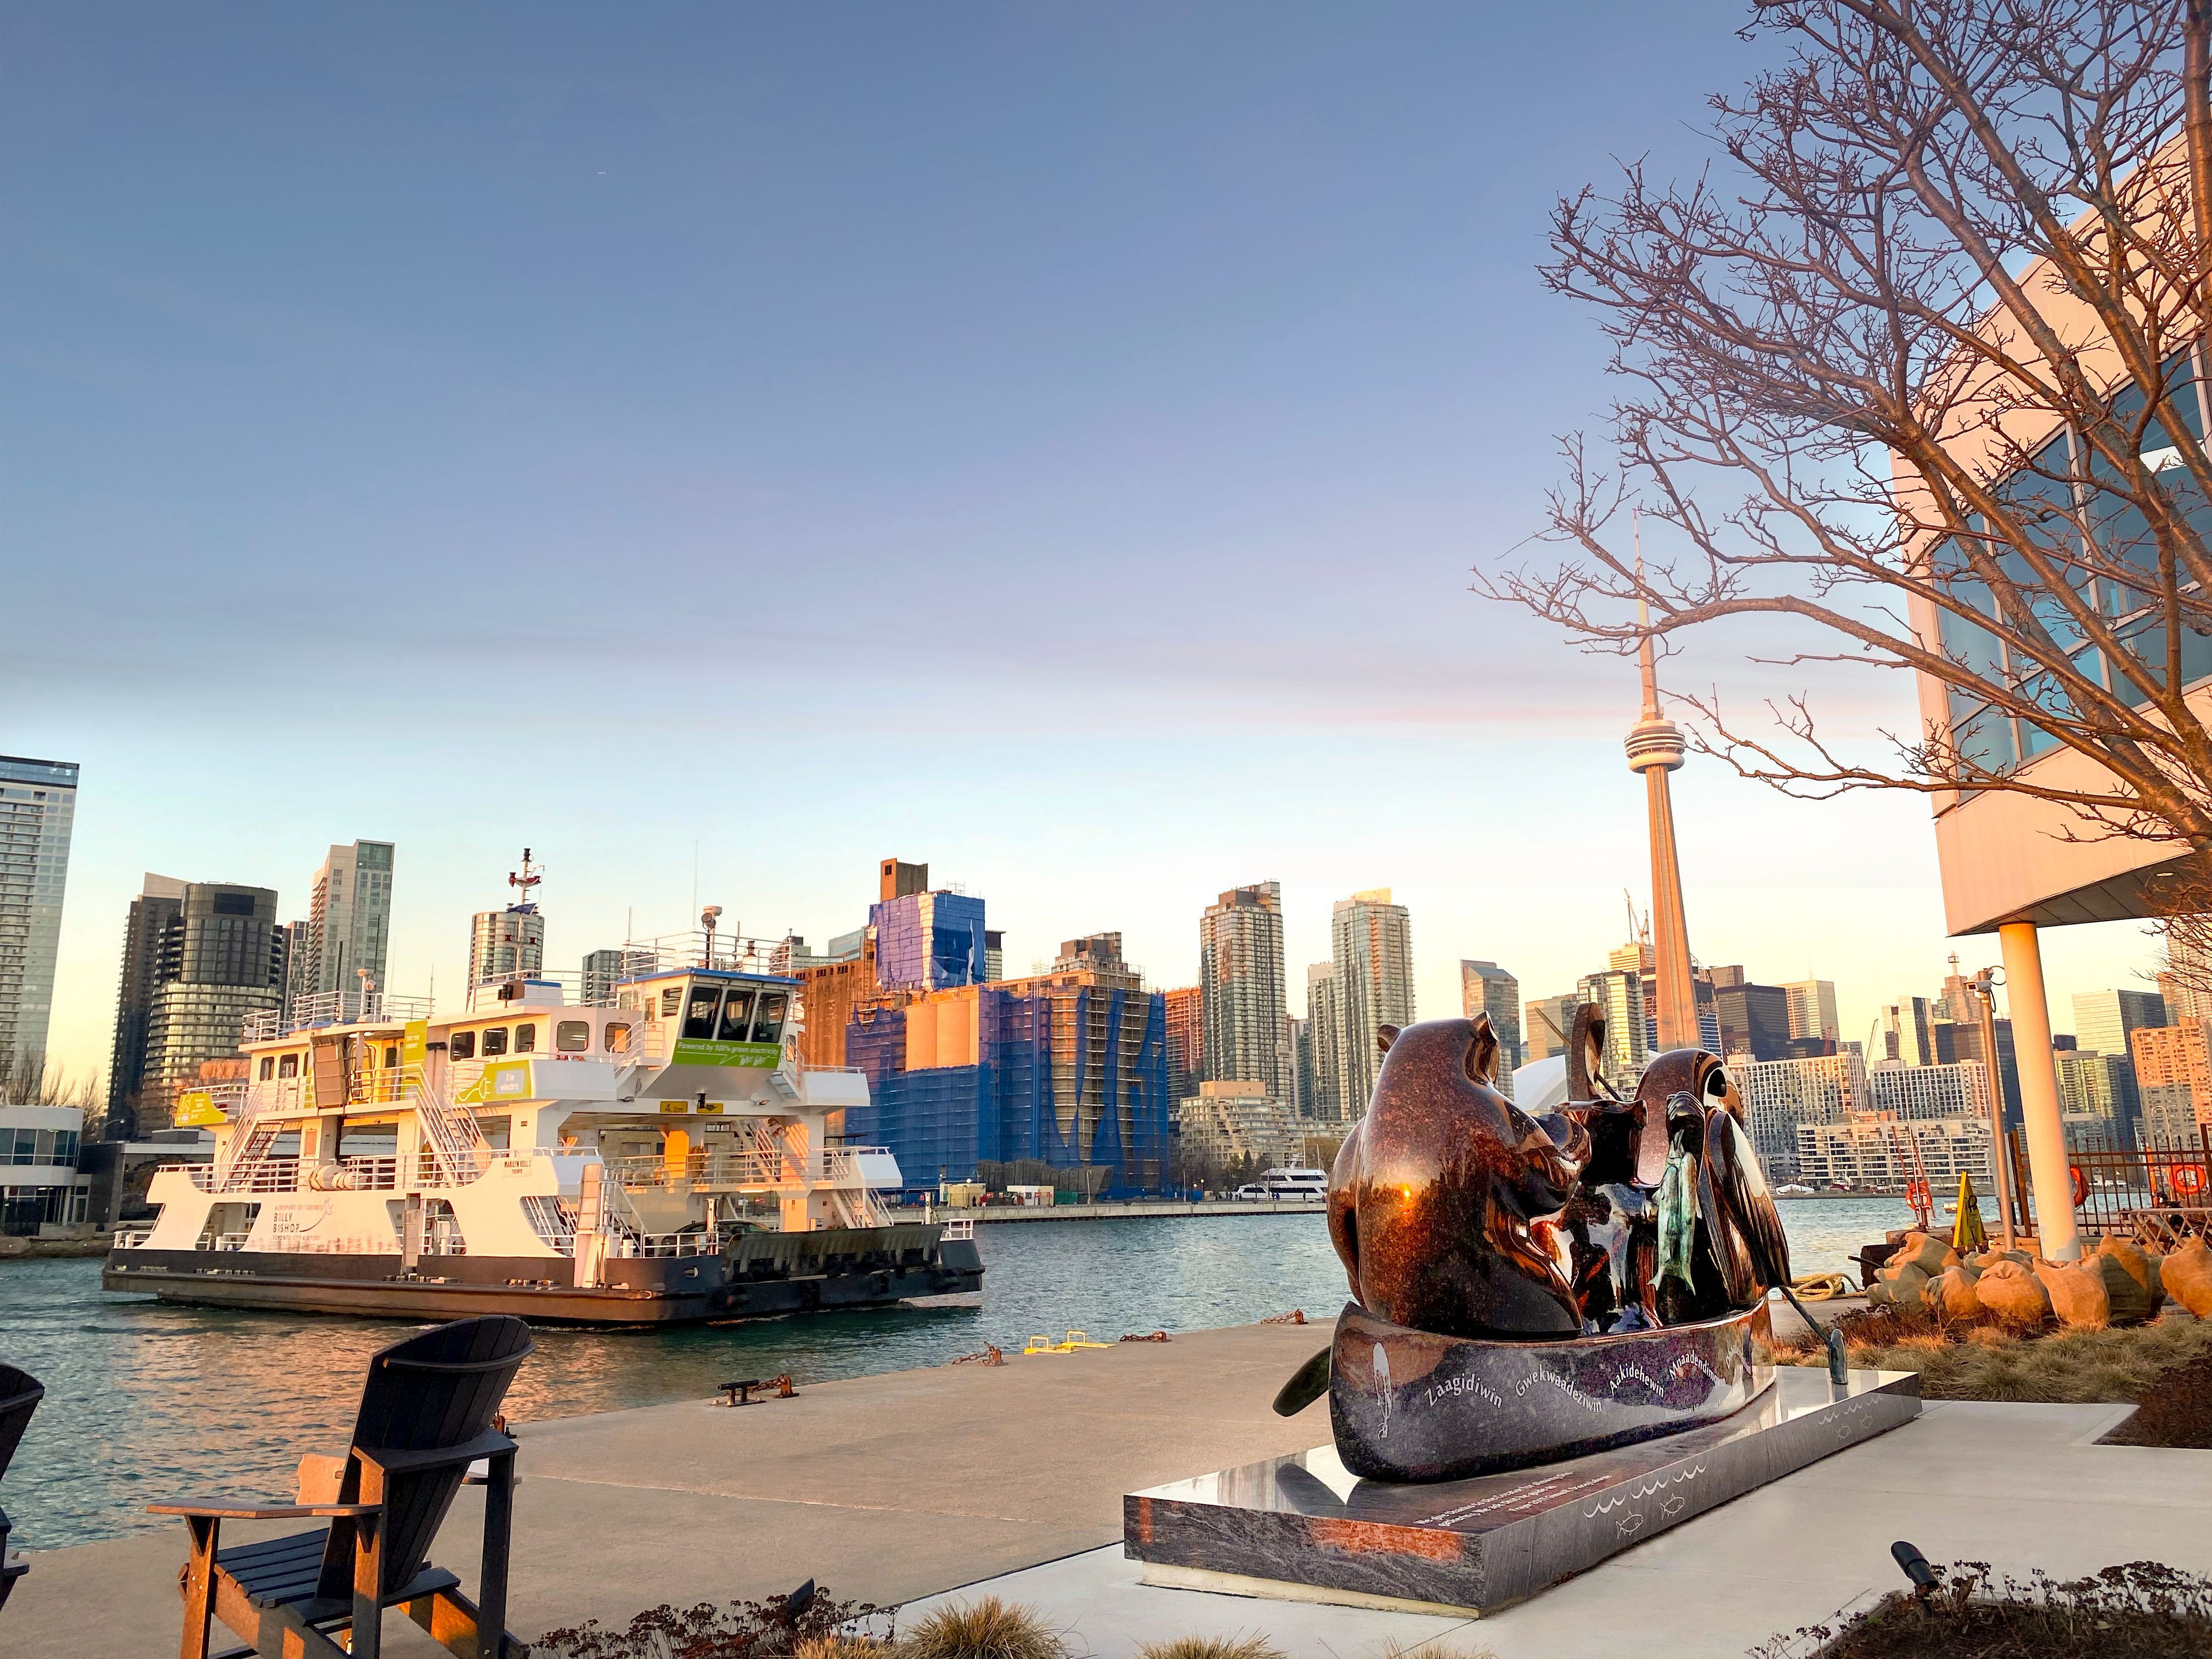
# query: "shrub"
[[1211, 1647], [747, 1630], [985, 1628], [2143, 1609], [1987, 1362]]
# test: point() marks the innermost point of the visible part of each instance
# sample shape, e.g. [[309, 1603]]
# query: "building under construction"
[[1068, 1068]]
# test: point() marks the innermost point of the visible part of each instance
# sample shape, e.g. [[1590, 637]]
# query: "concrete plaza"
[[893, 1489]]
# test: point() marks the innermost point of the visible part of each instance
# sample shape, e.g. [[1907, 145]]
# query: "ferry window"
[[670, 1000], [391, 1056], [769, 1027], [268, 1068], [526, 1038], [572, 1037], [737, 1014], [462, 1045], [287, 1066], [494, 1041], [699, 1016], [618, 1040]]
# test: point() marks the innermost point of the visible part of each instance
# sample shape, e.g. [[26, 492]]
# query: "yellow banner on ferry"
[[415, 1043], [195, 1109]]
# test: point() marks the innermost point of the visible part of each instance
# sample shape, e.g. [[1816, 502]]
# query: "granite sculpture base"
[[1305, 1528], [1406, 1405]]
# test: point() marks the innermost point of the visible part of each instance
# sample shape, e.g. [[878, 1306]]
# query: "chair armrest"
[[222, 1509]]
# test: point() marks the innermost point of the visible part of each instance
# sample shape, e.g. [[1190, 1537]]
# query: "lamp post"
[[1984, 986]]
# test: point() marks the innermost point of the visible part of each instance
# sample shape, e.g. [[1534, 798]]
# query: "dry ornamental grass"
[[1212, 1647], [2127, 1364], [2144, 1610], [985, 1628]]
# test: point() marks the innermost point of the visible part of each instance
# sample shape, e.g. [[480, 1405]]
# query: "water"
[[146, 1403]]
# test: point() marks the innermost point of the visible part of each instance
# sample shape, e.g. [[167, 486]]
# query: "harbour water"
[[146, 1403]]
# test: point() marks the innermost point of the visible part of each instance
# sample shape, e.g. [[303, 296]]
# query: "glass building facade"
[[2061, 500], [38, 812]]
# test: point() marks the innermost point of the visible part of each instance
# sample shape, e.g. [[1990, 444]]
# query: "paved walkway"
[[2018, 1486], [885, 1488], [897, 1487]]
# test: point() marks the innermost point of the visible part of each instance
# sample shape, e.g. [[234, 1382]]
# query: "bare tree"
[[1911, 384], [27, 1080]]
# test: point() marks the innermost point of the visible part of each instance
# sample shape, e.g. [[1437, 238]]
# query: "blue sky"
[[1045, 441]]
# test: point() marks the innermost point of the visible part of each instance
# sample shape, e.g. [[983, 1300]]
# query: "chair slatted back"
[[436, 1390], [20, 1393]]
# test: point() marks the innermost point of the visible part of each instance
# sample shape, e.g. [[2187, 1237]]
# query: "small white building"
[[40, 1185]]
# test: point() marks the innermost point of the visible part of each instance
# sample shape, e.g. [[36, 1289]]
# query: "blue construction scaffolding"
[[928, 941], [1106, 1109]]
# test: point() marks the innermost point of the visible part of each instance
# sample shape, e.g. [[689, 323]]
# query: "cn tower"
[[1654, 748]]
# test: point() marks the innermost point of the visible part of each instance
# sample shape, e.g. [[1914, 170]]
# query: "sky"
[[721, 447]]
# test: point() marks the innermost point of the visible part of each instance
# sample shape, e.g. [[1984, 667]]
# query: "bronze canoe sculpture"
[[1527, 1287]]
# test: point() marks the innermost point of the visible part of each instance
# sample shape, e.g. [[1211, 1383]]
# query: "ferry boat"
[[656, 1153]]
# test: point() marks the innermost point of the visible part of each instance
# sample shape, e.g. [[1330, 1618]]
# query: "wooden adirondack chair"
[[20, 1394], [426, 1415]]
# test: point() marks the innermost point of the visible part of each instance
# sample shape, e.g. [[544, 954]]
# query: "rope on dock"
[[1823, 1287]]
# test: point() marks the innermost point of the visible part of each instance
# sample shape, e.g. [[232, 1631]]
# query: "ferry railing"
[[257, 1175], [645, 1043], [133, 1235], [747, 1169], [730, 953], [276, 1094], [960, 1227], [332, 1008], [705, 1241], [842, 1164]]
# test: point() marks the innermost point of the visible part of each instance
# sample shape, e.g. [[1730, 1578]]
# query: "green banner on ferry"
[[701, 1051]]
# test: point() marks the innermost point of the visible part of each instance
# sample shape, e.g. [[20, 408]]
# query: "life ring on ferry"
[[2188, 1179], [2081, 1184]]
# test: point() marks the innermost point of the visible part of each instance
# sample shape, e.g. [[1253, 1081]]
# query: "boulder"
[[2011, 1294], [2077, 1294], [2186, 1275], [1953, 1295], [2127, 1289], [1903, 1286], [1925, 1251]]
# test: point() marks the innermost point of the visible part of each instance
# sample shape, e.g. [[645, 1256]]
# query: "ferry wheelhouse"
[[656, 1153]]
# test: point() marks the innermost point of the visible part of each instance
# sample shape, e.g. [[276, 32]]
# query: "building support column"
[[2052, 1186]]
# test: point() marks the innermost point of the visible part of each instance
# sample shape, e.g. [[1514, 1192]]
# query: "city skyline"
[[1435, 976], [1053, 400]]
